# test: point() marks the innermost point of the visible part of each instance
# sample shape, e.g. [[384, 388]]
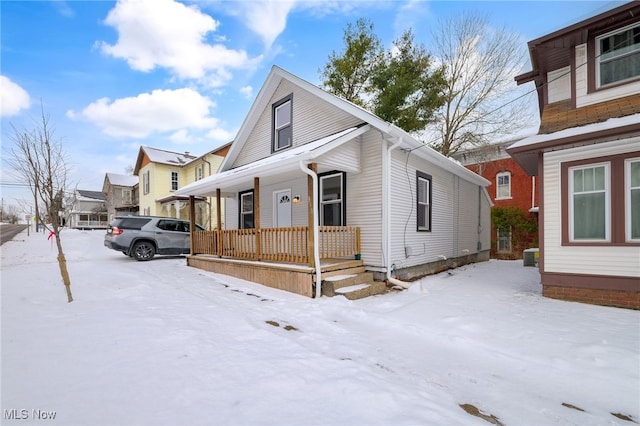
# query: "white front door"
[[282, 208]]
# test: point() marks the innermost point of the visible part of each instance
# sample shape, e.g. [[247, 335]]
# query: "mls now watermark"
[[24, 414]]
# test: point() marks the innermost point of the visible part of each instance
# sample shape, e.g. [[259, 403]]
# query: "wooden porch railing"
[[277, 244]]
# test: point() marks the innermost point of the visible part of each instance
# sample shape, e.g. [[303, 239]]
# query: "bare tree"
[[41, 161], [481, 99]]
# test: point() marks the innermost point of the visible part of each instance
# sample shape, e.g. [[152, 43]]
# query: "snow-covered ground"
[[159, 343]]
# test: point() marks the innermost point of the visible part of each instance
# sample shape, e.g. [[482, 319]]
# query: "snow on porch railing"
[[277, 244]]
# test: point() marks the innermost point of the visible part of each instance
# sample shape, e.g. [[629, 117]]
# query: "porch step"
[[338, 272], [352, 286], [360, 291]]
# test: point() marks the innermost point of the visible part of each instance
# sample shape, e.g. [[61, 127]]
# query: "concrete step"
[[352, 286], [360, 291], [346, 271]]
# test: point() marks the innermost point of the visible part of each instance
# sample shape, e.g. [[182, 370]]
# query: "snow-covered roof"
[[611, 123], [281, 162], [122, 180], [89, 195], [525, 152], [167, 157]]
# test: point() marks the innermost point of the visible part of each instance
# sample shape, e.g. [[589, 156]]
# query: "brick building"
[[511, 188]]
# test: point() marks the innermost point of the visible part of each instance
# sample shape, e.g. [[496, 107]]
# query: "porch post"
[[256, 216], [310, 216], [218, 224], [192, 222]]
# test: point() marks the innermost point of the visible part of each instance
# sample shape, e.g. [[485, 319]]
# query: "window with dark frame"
[[632, 194], [332, 205], [589, 202], [282, 117], [618, 55], [423, 198], [246, 210], [174, 181]]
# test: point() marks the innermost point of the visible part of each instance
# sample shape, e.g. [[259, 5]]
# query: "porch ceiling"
[[276, 168]]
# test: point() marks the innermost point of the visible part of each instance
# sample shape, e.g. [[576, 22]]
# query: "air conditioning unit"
[[530, 257]]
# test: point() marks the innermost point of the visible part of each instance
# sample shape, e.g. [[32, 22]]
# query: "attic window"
[[618, 55], [282, 117]]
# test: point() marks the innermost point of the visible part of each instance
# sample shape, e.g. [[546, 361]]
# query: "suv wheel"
[[143, 250]]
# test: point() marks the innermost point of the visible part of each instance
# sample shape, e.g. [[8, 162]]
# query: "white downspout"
[[316, 229], [386, 211]]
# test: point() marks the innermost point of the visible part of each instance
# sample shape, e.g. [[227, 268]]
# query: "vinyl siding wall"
[[312, 119], [593, 260], [454, 222]]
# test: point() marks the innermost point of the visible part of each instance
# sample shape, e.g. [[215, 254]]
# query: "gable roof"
[[160, 156], [263, 100], [121, 180]]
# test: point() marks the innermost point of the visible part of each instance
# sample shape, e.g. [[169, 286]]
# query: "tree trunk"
[[62, 263]]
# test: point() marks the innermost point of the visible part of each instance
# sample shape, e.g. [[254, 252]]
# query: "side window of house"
[[589, 203], [126, 196], [174, 181], [145, 182], [423, 198], [332, 207], [282, 117], [199, 173], [504, 240], [618, 55], [632, 202], [246, 210], [503, 185]]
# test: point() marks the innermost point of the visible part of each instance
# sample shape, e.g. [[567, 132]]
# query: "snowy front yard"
[[159, 343]]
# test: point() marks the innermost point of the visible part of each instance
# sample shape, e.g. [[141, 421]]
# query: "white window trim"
[[277, 128], [171, 180], [627, 198], [199, 172], [598, 55], [498, 176], [145, 182], [243, 212], [508, 237], [607, 203], [427, 225]]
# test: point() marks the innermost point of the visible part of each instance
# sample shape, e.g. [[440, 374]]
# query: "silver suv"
[[142, 237]]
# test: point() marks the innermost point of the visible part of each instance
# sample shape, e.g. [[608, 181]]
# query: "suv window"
[[131, 222], [173, 225]]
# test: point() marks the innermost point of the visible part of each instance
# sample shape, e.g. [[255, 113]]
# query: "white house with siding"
[[319, 185], [587, 158]]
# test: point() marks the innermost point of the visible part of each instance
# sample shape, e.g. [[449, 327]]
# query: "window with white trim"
[[618, 55], [589, 203], [174, 181], [199, 172], [246, 210], [282, 117], [503, 185], [504, 240], [423, 199], [126, 196], [332, 200], [632, 199]]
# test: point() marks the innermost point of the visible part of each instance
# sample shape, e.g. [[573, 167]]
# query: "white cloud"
[[246, 91], [156, 112], [166, 33], [268, 19], [14, 97], [220, 135]]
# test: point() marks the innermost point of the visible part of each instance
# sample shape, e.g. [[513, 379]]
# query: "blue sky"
[[181, 76]]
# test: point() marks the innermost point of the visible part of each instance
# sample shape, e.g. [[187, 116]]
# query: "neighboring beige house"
[[121, 194], [86, 210], [319, 190], [161, 173], [587, 158]]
